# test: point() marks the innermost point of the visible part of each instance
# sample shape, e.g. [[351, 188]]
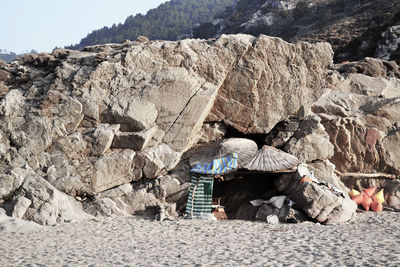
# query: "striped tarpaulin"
[[218, 166], [200, 197]]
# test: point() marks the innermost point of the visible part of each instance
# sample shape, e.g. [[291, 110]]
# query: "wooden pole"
[[366, 175]]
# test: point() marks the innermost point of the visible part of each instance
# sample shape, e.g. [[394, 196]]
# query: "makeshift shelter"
[[270, 159], [201, 185], [255, 178], [243, 147]]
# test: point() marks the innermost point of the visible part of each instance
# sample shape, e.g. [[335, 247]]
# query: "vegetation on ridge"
[[353, 27], [165, 22]]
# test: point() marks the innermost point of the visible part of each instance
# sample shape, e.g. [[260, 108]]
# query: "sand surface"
[[374, 240]]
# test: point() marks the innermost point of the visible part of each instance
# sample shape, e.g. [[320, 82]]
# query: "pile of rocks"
[[107, 130]]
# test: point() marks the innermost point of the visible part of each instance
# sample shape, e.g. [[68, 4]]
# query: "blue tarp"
[[218, 166]]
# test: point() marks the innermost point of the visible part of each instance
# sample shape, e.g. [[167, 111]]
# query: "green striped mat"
[[200, 197]]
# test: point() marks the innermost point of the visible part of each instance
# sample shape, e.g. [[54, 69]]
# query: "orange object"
[[376, 206], [370, 191], [366, 202], [358, 199], [305, 179]]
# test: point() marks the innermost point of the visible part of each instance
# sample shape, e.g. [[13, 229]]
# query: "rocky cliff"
[[107, 130], [354, 28]]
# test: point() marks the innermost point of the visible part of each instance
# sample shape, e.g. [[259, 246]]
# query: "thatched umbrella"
[[245, 148], [270, 159]]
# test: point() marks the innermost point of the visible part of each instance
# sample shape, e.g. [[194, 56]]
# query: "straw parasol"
[[270, 159], [245, 148]]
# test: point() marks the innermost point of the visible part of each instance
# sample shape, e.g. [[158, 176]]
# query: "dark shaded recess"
[[127, 124], [245, 186], [237, 193], [231, 132]]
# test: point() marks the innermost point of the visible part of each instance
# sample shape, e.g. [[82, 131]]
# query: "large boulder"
[[112, 170], [272, 81], [48, 206], [316, 199], [155, 161], [310, 142]]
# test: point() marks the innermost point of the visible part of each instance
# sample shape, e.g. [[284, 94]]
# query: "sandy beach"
[[373, 240]]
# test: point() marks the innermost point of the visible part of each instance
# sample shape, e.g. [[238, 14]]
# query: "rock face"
[[361, 122], [354, 29], [315, 199], [103, 130], [48, 205], [371, 67], [254, 88], [390, 43]]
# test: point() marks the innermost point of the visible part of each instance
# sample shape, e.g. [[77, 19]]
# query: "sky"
[[45, 24]]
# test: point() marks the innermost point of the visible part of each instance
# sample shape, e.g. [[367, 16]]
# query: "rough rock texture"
[[362, 122], [361, 118], [13, 168], [163, 193], [112, 170], [104, 135], [107, 127], [371, 67], [136, 141], [328, 209], [315, 200], [260, 90], [49, 205], [310, 142], [390, 43], [20, 207], [73, 118]]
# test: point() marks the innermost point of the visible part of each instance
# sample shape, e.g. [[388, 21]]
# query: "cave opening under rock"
[[245, 186], [241, 186], [259, 138]]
